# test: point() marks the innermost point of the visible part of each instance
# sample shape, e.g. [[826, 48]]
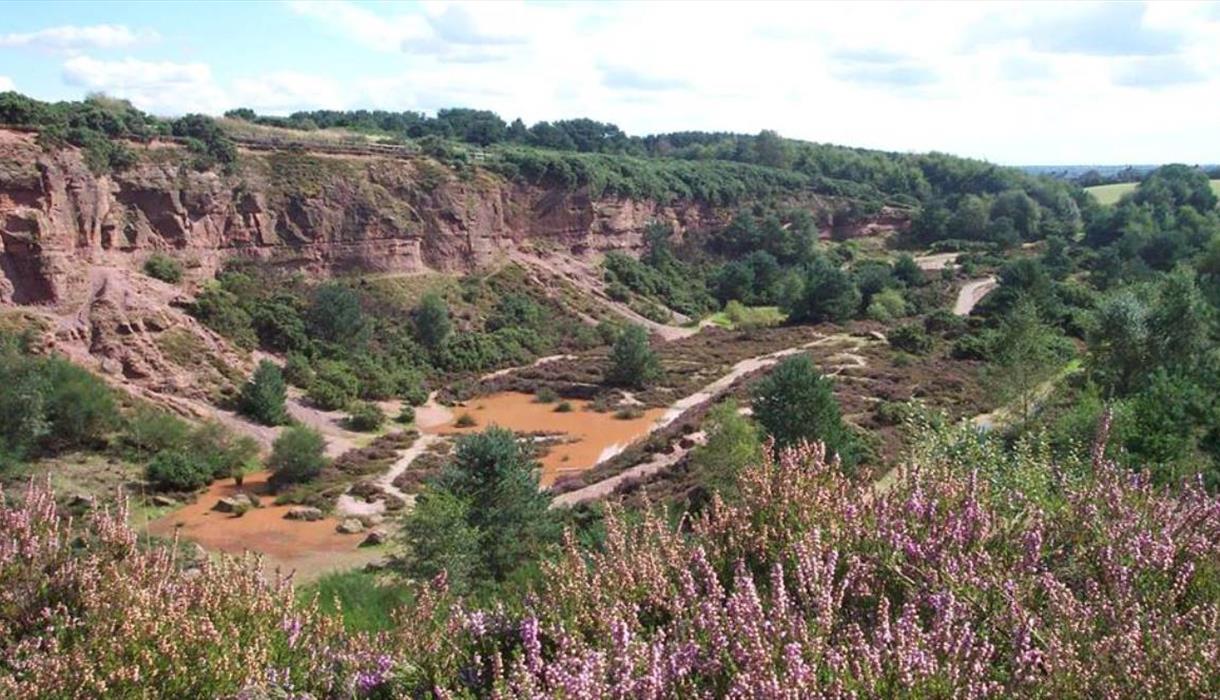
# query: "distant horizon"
[[1005, 82]]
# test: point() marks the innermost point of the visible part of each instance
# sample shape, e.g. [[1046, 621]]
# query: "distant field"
[[1109, 194]]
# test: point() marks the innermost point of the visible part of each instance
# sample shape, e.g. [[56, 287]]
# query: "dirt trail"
[[936, 261], [605, 487], [585, 276], [972, 293], [711, 392], [536, 363]]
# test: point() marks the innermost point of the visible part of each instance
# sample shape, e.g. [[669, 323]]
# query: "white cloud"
[[158, 86], [895, 76], [6, 83], [70, 38], [284, 92], [458, 32]]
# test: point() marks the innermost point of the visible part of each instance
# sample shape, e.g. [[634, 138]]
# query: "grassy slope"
[[1110, 194]]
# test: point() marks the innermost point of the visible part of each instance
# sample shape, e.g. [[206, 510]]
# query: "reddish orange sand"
[[289, 544], [591, 433]]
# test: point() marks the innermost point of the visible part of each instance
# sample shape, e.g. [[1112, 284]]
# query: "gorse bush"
[[366, 417], [262, 398], [172, 470], [633, 363], [978, 573], [297, 455], [161, 266], [49, 405]]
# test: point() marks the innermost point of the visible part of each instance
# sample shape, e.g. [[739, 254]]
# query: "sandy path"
[[605, 487], [972, 293], [936, 261], [711, 392], [585, 276], [536, 363]]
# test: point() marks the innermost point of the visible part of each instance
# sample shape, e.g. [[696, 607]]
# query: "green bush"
[[912, 338], [263, 397], [632, 362], [365, 417], [298, 454], [795, 403], [161, 266], [886, 306], [171, 470], [406, 415], [563, 407], [466, 421], [945, 322], [974, 346], [333, 387], [297, 370], [80, 408], [546, 395], [149, 431]]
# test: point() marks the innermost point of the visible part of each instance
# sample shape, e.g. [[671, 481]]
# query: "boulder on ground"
[[163, 501], [372, 519], [350, 526], [375, 537], [308, 513], [237, 503], [377, 565]]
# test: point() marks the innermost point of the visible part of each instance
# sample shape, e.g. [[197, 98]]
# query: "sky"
[[1022, 83]]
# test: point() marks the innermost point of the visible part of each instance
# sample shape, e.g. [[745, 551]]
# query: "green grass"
[[1110, 194], [367, 603], [763, 315]]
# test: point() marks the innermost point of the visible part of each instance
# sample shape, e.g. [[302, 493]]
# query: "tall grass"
[[365, 603]]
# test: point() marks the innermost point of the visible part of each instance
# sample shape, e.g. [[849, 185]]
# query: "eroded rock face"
[[319, 214]]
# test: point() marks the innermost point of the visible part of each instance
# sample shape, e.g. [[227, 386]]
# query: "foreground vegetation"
[[980, 573]]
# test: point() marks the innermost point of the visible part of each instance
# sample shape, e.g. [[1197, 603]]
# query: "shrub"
[[297, 370], [432, 324], [974, 346], [466, 421], [912, 338], [263, 397], [563, 407], [366, 417], [886, 306], [795, 403], [411, 387], [298, 454], [80, 408], [149, 431], [406, 415], [945, 322], [161, 266], [546, 395], [632, 362], [171, 470], [334, 386], [628, 413]]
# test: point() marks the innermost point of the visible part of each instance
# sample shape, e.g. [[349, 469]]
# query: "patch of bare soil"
[[308, 548], [972, 293], [590, 436], [586, 276]]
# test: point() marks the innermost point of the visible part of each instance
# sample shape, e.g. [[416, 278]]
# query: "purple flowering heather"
[[806, 585]]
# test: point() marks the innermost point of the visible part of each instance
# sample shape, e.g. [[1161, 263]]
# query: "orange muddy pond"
[[308, 547], [589, 436]]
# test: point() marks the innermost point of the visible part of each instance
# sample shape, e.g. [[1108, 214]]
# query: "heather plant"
[[979, 571], [87, 611]]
